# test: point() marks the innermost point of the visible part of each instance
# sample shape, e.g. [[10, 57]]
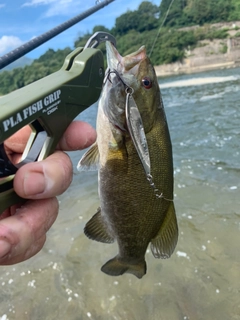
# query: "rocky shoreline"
[[209, 54], [183, 68]]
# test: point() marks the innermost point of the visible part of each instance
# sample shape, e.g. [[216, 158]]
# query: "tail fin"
[[117, 267]]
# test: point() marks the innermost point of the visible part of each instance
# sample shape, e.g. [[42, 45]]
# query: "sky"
[[22, 20]]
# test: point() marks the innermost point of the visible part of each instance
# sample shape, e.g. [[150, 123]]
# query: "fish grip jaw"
[[31, 152], [98, 38]]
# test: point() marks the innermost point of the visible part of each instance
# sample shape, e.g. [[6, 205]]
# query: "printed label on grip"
[[48, 105]]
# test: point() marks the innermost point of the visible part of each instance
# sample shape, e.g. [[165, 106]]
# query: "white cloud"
[[8, 43], [38, 2], [2, 5], [60, 7]]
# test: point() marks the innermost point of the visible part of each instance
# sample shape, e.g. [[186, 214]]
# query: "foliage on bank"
[[135, 28]]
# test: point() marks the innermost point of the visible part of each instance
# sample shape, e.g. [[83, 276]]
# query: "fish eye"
[[147, 82]]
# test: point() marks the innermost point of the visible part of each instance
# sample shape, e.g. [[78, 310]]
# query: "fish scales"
[[136, 193], [130, 212]]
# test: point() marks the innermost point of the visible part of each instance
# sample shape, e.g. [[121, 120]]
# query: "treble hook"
[[108, 72]]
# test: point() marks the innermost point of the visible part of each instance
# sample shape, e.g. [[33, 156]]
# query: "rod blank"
[[36, 42]]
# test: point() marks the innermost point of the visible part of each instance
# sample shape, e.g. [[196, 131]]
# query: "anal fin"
[[96, 229], [164, 243]]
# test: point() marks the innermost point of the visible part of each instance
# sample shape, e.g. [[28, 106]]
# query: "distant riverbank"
[[184, 68], [208, 55]]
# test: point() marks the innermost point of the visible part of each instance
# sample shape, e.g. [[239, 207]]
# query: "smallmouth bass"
[[133, 154]]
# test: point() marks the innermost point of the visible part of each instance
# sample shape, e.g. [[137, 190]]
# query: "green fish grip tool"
[[49, 105]]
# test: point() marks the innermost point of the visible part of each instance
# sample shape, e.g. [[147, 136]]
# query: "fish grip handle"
[[48, 105]]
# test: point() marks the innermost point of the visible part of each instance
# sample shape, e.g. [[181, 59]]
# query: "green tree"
[[148, 15], [81, 41], [176, 15], [144, 18], [6, 82], [126, 22], [234, 13], [100, 28], [190, 12]]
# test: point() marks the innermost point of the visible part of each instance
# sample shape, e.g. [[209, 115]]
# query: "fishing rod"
[[36, 42]]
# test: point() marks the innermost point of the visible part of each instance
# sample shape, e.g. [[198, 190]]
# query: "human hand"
[[23, 228]]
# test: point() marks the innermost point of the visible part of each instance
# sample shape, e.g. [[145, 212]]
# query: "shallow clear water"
[[202, 278]]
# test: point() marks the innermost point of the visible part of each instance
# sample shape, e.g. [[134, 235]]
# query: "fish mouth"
[[122, 72], [113, 56], [121, 78], [127, 63]]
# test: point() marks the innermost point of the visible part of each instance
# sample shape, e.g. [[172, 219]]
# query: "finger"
[[79, 135], [22, 256], [17, 142], [23, 234], [15, 145], [44, 179], [9, 211]]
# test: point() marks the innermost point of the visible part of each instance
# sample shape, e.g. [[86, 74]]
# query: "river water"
[[202, 278]]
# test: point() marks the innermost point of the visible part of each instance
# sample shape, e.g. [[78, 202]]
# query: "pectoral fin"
[[90, 159], [96, 229], [164, 243]]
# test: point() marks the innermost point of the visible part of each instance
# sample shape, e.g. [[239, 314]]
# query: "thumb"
[[44, 179]]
